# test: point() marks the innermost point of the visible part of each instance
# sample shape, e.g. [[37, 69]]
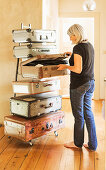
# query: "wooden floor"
[[48, 152]]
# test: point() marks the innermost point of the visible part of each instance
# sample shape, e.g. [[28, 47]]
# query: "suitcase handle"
[[47, 85], [43, 50], [43, 106], [43, 37], [28, 27]]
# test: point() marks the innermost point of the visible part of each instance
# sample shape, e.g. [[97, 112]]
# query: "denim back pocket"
[[83, 88]]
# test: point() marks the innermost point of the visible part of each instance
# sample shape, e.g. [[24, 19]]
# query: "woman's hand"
[[61, 66]]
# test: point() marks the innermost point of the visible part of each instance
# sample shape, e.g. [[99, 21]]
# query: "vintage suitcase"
[[46, 57], [28, 129], [43, 68], [32, 35], [36, 87], [31, 50], [35, 105]]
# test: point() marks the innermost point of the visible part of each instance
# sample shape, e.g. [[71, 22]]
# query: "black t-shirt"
[[85, 50]]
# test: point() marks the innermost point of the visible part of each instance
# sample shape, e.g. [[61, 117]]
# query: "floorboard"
[[48, 152]]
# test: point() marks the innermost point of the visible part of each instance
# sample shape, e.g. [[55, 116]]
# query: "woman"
[[81, 88]]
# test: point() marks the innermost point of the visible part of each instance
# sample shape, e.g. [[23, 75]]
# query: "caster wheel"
[[56, 134], [9, 137], [30, 143]]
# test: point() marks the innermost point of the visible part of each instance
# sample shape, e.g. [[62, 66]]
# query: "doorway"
[[65, 23]]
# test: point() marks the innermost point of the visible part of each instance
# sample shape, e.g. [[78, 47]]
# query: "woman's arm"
[[77, 68]]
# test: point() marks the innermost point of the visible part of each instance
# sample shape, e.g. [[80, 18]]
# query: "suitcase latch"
[[60, 121], [31, 131]]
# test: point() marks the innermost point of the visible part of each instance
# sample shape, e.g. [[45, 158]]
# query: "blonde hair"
[[78, 31]]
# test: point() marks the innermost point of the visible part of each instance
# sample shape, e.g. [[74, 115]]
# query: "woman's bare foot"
[[87, 147], [71, 145]]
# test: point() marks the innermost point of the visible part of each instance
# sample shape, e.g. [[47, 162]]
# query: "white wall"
[[12, 13], [50, 14], [102, 51]]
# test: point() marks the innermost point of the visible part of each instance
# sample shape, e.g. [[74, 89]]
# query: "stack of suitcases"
[[36, 109]]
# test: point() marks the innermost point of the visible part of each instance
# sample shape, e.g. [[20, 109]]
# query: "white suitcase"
[[32, 35], [31, 50], [35, 87], [35, 105]]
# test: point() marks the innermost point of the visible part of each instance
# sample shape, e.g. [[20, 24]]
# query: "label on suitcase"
[[31, 50], [36, 87], [43, 68], [35, 105], [31, 35], [28, 129]]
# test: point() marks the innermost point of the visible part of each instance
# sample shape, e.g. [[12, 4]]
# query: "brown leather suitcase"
[[28, 129], [43, 68]]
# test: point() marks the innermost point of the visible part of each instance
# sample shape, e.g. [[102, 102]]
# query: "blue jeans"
[[81, 99]]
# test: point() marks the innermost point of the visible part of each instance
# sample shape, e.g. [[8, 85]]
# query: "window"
[[65, 23]]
